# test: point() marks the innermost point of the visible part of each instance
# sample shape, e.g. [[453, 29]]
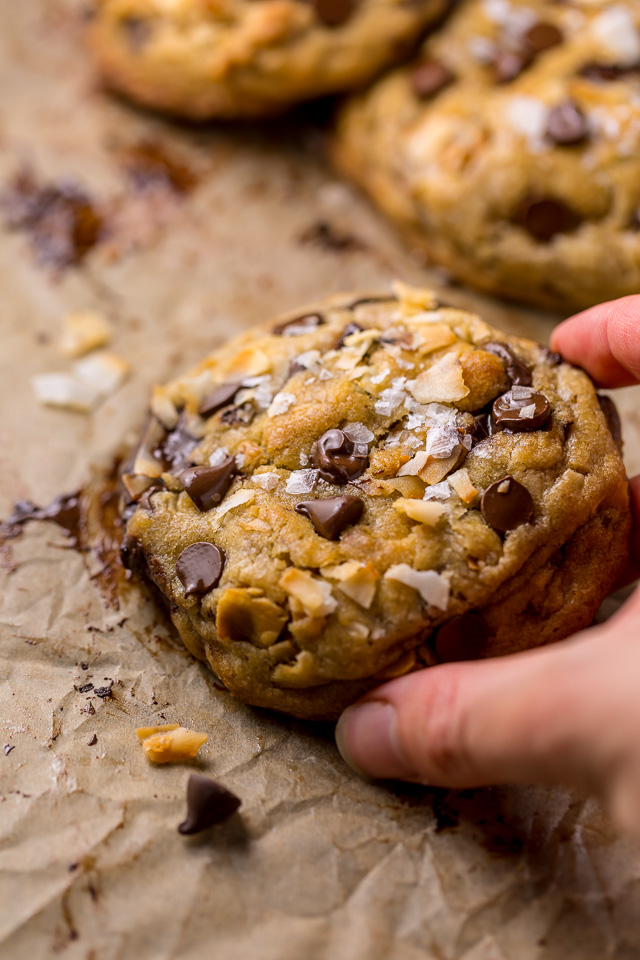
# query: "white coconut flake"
[[218, 456], [527, 413], [616, 31], [256, 381], [308, 359], [302, 481], [64, 390], [438, 491], [280, 404], [432, 587], [528, 116], [267, 481], [235, 500], [358, 433]]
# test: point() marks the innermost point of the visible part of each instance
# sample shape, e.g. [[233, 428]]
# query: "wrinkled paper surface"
[[320, 864]]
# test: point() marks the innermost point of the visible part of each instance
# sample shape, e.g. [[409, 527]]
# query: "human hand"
[[566, 714]]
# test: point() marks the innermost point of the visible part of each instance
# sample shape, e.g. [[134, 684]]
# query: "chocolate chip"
[[299, 325], [92, 742], [331, 515], [219, 397], [336, 459], [145, 503], [462, 638], [199, 567], [429, 78], [482, 428], [517, 371], [207, 485], [104, 692], [85, 688], [567, 124], [348, 330], [545, 217], [208, 803], [612, 417], [542, 36], [602, 71], [333, 12], [8, 747], [506, 504], [65, 510], [363, 300], [509, 64], [506, 412]]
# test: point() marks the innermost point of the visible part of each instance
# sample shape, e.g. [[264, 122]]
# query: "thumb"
[[545, 715]]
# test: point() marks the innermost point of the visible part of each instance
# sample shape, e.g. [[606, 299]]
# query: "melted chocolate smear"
[[509, 64], [137, 31], [208, 803], [60, 220], [65, 510], [331, 515], [333, 13], [348, 330], [335, 458], [324, 235], [363, 300], [542, 36], [149, 167]]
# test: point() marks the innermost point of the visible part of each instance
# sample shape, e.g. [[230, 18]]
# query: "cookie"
[[242, 58], [509, 151], [370, 485]]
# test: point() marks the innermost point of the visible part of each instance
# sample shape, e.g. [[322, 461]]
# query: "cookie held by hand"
[[370, 485]]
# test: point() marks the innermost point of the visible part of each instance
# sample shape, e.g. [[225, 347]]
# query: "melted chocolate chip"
[[506, 413], [517, 371], [542, 36], [199, 567], [567, 124], [462, 638], [429, 78], [506, 504], [333, 13], [509, 64], [331, 515], [207, 485], [219, 397], [612, 417], [335, 458], [545, 217], [299, 325], [208, 803], [348, 330]]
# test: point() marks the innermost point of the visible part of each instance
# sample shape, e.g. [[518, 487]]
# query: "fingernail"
[[367, 738]]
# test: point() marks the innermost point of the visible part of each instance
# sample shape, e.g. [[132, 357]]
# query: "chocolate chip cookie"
[[235, 58], [510, 149], [370, 485]]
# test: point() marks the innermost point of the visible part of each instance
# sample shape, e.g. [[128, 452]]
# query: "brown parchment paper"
[[320, 864]]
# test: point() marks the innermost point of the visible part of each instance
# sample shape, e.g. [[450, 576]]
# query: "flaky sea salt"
[[527, 413], [442, 441], [302, 481], [358, 433], [267, 481]]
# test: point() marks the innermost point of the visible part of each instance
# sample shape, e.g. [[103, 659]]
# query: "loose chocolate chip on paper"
[[507, 412], [85, 688], [299, 325], [545, 217], [207, 485], [331, 515], [92, 742], [104, 692], [8, 747], [199, 567], [462, 638], [219, 397], [429, 78], [542, 36], [567, 124], [506, 504], [517, 371], [208, 803], [335, 458]]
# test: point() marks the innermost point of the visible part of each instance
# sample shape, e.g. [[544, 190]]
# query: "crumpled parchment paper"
[[319, 864]]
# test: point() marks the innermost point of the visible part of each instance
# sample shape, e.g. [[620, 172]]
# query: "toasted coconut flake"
[[442, 383], [64, 390], [432, 337], [432, 587], [250, 362], [410, 487], [84, 331], [170, 743], [237, 499], [413, 299], [428, 512], [314, 595], [413, 468], [163, 408], [437, 470], [357, 580], [463, 486]]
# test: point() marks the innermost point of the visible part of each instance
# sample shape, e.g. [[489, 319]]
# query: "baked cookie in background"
[[246, 58], [510, 149], [370, 485]]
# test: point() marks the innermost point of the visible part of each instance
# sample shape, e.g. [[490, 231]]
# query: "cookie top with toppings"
[[510, 147], [320, 495], [240, 58]]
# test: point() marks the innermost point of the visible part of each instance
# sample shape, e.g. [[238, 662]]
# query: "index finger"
[[604, 341]]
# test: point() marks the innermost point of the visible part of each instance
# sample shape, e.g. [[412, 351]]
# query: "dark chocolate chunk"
[[336, 459], [612, 417], [207, 486], [333, 12], [506, 413], [567, 124], [542, 36], [429, 78], [506, 504], [509, 64], [219, 397], [331, 515], [462, 638], [199, 567], [517, 371], [299, 325], [208, 803], [545, 217], [104, 692], [348, 330]]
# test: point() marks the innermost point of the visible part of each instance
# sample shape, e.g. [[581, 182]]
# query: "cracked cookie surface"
[[370, 485], [509, 150], [233, 58]]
